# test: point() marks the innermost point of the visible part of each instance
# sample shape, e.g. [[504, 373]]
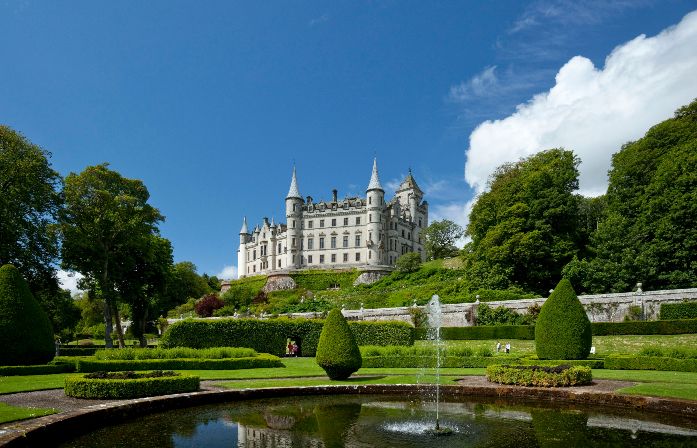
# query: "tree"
[[26, 336], [29, 206], [106, 217], [212, 281], [409, 262], [337, 350], [525, 228], [183, 283], [563, 330], [441, 237]]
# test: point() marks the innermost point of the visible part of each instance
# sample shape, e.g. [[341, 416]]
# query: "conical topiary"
[[26, 335], [337, 351], [563, 330]]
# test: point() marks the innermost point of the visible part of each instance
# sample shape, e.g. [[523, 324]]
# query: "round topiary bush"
[[26, 334], [337, 351], [563, 330]]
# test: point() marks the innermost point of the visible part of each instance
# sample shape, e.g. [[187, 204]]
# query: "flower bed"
[[119, 385], [545, 376]]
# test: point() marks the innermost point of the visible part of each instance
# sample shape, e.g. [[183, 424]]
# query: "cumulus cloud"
[[227, 273], [68, 280], [593, 111], [479, 85]]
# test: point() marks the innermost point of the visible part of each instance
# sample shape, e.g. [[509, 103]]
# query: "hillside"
[[323, 290]]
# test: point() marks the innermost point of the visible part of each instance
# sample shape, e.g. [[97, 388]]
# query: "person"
[[508, 347], [295, 349], [289, 348], [498, 346], [593, 350]]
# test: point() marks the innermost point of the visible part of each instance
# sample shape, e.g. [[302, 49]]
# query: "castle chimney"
[[334, 193]]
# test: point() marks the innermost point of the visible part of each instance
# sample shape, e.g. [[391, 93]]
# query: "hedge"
[[683, 326], [42, 369], [270, 336], [261, 361], [674, 311], [650, 363], [397, 362], [562, 375], [80, 387], [176, 353], [78, 351], [483, 332], [337, 350]]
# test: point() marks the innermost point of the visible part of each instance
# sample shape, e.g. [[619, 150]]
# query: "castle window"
[[248, 269], [358, 220], [309, 259], [309, 224], [254, 268], [321, 222], [345, 258], [295, 206], [370, 217], [402, 233], [279, 263], [358, 256], [358, 240], [321, 259], [346, 241], [292, 243], [370, 200], [321, 243], [333, 242], [279, 248], [346, 205], [333, 258], [310, 243], [292, 223], [293, 259], [333, 222], [345, 221], [370, 255], [255, 255], [409, 236], [419, 222]]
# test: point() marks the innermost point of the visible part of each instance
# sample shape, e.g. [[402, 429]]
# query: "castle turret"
[[294, 216], [375, 239], [242, 252], [411, 195]]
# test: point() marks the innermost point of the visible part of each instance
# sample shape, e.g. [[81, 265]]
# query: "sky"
[[211, 104]]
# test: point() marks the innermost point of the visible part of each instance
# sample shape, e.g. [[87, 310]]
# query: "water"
[[388, 421], [434, 325]]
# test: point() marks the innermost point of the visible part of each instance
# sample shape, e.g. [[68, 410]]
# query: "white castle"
[[358, 232]]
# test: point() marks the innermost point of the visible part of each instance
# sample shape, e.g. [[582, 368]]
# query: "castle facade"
[[356, 232]]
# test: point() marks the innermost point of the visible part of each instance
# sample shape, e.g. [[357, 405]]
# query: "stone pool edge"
[[66, 425]]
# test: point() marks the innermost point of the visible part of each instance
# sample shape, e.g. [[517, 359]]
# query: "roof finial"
[[294, 192], [374, 179]]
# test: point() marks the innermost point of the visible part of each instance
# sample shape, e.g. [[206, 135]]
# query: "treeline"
[[97, 223], [531, 227]]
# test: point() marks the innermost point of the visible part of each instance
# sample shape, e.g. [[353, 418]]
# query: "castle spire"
[[244, 226], [293, 192], [374, 179]]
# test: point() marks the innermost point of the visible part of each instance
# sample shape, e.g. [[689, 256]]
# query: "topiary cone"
[[563, 330], [26, 334], [337, 351]]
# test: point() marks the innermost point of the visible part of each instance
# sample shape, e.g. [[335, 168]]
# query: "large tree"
[[106, 217], [524, 229], [183, 283], [648, 232], [441, 237]]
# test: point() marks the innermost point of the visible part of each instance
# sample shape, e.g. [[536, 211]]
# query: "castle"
[[358, 232]]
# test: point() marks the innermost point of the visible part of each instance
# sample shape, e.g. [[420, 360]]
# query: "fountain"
[[434, 326]]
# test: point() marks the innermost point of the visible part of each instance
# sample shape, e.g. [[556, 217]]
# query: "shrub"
[[133, 386], [26, 335], [68, 350], [337, 350], [634, 313], [261, 361], [484, 352], [545, 376], [563, 330], [663, 363], [270, 335], [409, 262], [645, 327], [176, 353], [483, 332], [497, 316], [683, 310], [207, 304]]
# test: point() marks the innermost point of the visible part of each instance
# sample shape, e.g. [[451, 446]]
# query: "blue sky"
[[211, 103]]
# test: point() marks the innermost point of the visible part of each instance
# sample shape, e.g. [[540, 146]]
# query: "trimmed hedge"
[[43, 369], [684, 326], [337, 351], [95, 388], [563, 330], [176, 353], [482, 332], [270, 336], [674, 311], [78, 351], [563, 375], [650, 363], [261, 361], [462, 362]]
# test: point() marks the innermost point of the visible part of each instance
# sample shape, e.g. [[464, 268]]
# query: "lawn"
[[11, 384], [670, 390], [11, 413]]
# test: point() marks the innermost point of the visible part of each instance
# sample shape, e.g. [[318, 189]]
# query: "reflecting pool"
[[386, 421]]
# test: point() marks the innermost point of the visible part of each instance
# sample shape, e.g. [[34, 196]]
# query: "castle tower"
[[294, 216], [375, 239], [242, 252], [411, 197]]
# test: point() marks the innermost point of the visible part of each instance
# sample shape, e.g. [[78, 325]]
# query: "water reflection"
[[371, 421]]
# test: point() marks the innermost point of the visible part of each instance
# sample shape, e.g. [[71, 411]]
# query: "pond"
[[387, 421]]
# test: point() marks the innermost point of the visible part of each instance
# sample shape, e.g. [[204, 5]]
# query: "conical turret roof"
[[244, 226], [293, 191], [374, 179]]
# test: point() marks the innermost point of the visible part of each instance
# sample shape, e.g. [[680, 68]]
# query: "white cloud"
[[454, 211], [480, 84], [593, 111], [68, 280], [228, 273]]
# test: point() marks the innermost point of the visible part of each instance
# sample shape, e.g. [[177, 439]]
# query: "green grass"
[[647, 376], [669, 390], [353, 381], [12, 384], [12, 413]]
